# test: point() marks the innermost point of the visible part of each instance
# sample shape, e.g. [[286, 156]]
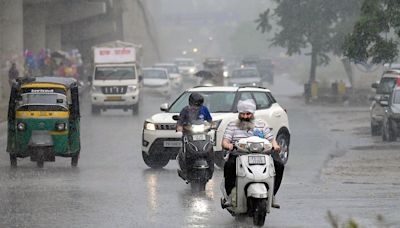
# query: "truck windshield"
[[115, 73]]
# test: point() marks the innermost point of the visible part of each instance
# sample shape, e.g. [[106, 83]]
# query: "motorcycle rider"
[[194, 111], [244, 127]]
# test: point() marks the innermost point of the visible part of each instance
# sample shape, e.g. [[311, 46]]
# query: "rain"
[[96, 98]]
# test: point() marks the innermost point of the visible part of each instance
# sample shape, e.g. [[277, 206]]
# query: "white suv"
[[160, 142]]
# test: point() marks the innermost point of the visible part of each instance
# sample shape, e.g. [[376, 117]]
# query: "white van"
[[116, 79]]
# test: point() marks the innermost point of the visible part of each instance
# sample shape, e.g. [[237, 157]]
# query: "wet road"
[[112, 187]]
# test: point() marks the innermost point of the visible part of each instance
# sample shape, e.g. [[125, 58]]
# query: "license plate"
[[257, 160], [199, 137], [172, 144], [114, 98]]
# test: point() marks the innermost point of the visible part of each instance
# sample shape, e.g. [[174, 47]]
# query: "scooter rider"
[[244, 127], [194, 111]]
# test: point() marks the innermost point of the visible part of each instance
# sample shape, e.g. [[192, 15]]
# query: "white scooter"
[[255, 176]]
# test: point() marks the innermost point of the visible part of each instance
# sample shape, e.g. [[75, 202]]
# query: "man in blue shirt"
[[194, 111]]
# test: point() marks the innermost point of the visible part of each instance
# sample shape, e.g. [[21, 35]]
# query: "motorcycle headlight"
[[21, 126], [61, 126], [198, 128], [149, 126], [131, 88]]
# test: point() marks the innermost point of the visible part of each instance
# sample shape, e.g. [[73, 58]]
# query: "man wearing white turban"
[[245, 127]]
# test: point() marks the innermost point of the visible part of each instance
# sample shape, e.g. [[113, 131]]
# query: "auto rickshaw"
[[43, 120]]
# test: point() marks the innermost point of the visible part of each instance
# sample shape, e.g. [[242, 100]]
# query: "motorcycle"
[[197, 156], [255, 176]]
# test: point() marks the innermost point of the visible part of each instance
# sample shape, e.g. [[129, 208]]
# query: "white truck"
[[116, 77]]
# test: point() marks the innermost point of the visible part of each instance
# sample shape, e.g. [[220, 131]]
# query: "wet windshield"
[[215, 101], [154, 74], [115, 73], [33, 101]]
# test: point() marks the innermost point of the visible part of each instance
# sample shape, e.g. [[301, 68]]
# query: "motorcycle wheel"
[[198, 186], [260, 211]]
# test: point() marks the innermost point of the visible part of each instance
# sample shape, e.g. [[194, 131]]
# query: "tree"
[[315, 25], [376, 33]]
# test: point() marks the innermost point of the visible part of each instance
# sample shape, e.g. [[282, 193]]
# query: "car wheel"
[[135, 109], [155, 161], [283, 140], [95, 110]]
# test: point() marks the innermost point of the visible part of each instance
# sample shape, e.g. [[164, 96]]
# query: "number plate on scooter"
[[257, 160], [199, 137]]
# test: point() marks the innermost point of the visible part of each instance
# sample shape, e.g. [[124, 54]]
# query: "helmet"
[[196, 99]]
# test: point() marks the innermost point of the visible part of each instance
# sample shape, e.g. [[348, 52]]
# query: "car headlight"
[[21, 126], [234, 84], [254, 84], [61, 126], [96, 89], [192, 70], [226, 74], [149, 126], [131, 88]]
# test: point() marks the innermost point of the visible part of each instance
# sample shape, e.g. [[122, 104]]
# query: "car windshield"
[[170, 68], [115, 73], [396, 97], [214, 101], [244, 73], [154, 74]]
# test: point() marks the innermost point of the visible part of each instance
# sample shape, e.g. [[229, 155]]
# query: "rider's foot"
[[274, 203], [225, 203]]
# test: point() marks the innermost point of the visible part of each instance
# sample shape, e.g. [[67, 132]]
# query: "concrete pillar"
[[138, 27], [53, 37], [34, 27], [11, 40]]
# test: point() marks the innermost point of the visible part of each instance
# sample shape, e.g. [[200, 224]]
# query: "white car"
[[186, 66], [157, 80], [244, 76], [160, 141], [173, 71]]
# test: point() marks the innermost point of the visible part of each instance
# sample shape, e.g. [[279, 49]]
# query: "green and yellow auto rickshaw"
[[43, 120]]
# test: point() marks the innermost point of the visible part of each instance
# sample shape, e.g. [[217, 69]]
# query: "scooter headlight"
[[21, 126], [61, 126], [255, 147], [149, 126], [198, 128]]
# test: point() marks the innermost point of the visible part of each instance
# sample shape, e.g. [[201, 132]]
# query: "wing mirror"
[[175, 117], [164, 107]]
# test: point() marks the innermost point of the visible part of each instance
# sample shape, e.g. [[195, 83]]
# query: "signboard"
[[114, 55]]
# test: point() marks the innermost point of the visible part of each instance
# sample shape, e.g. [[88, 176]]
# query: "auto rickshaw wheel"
[[13, 160], [74, 160]]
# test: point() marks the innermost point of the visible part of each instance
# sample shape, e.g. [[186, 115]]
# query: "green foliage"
[[318, 26], [376, 33]]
